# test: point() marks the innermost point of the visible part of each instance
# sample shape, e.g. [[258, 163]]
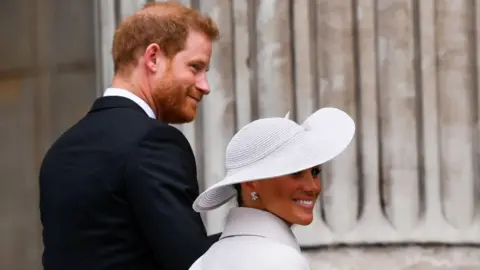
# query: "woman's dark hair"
[[238, 188]]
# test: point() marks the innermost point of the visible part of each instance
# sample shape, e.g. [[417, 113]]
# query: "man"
[[116, 189]]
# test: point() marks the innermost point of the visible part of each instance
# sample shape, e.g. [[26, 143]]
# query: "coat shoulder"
[[262, 254], [283, 258]]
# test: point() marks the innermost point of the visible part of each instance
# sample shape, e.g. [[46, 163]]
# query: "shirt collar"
[[250, 221], [127, 94]]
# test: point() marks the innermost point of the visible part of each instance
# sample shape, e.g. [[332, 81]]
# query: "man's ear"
[[152, 55]]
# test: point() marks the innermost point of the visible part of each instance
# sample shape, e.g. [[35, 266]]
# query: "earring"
[[254, 195]]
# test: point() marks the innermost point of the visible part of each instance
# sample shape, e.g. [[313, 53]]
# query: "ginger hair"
[[164, 23]]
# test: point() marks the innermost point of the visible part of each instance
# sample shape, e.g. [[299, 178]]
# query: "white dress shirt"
[[127, 94], [253, 240]]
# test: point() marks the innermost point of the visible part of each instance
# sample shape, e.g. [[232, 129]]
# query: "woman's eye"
[[316, 172]]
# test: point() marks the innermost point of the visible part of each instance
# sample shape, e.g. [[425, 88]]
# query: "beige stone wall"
[[395, 258], [47, 82]]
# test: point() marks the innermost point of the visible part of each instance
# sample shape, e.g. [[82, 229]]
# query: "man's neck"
[[137, 89]]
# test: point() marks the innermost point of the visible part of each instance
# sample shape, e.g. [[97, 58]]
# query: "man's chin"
[[189, 115], [183, 119]]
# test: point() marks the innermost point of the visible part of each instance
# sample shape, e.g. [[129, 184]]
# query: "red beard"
[[173, 100]]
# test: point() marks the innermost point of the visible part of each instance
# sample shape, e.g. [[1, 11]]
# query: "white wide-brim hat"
[[272, 147]]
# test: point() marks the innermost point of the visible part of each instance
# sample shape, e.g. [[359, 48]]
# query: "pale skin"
[[187, 68], [290, 197]]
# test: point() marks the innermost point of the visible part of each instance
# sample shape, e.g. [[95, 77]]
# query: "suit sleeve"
[[214, 237], [161, 186]]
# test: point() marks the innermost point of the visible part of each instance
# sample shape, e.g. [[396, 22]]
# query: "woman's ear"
[[248, 187]]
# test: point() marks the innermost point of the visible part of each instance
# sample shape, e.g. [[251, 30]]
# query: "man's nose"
[[202, 85]]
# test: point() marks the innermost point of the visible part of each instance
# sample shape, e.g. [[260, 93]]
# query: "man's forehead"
[[198, 46], [197, 39]]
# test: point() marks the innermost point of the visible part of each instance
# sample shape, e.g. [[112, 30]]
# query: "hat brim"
[[327, 133]]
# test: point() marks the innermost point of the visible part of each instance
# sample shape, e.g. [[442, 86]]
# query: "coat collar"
[[118, 92], [250, 221], [110, 102]]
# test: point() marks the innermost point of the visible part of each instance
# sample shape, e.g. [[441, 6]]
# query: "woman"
[[273, 165]]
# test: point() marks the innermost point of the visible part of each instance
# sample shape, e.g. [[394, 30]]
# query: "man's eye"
[[196, 67]]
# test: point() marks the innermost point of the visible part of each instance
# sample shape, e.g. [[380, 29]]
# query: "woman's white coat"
[[253, 240]]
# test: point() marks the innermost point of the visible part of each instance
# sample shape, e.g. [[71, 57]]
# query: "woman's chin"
[[305, 222], [295, 215], [302, 219]]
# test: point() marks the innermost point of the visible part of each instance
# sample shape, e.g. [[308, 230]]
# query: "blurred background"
[[405, 194]]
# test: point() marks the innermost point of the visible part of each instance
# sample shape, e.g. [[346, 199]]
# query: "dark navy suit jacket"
[[116, 192]]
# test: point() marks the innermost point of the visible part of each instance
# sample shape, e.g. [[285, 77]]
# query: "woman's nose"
[[313, 184]]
